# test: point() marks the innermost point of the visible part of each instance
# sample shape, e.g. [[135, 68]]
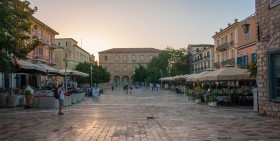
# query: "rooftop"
[[131, 50]]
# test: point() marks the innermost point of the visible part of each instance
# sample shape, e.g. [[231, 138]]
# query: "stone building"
[[201, 57], [75, 54], [121, 62], [268, 59]]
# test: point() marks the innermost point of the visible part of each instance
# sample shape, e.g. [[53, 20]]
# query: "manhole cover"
[[150, 118]]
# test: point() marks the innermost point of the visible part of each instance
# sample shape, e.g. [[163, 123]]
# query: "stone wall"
[[268, 27]]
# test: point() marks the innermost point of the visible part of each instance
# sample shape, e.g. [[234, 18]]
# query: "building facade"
[[225, 44], [246, 50], [268, 58], [121, 62], [201, 57], [75, 54], [44, 53]]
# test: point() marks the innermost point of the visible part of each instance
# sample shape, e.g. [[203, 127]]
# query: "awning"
[[50, 70], [195, 76], [226, 73], [27, 67], [71, 72]]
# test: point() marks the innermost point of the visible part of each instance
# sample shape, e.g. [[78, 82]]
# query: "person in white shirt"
[[60, 91]]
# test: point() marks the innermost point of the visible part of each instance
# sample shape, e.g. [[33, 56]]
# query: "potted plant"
[[189, 94], [28, 96], [197, 91], [212, 100]]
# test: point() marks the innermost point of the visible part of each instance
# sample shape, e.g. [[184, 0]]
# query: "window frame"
[[272, 83]]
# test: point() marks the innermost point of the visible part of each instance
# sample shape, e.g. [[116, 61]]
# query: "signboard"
[[274, 3]]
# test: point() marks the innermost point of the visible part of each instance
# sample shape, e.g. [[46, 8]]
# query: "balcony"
[[52, 45], [228, 62], [231, 43], [222, 47], [217, 65]]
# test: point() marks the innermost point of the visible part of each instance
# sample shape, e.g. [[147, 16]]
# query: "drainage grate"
[[150, 118]]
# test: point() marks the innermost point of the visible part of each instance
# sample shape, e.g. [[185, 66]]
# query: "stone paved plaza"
[[143, 116]]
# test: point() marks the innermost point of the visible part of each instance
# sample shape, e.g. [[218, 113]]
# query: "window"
[[274, 71], [65, 43], [223, 56], [253, 57], [124, 69], [247, 36], [49, 40], [218, 42], [106, 58], [50, 57], [151, 57], [40, 34], [142, 58], [124, 58], [245, 60], [117, 58], [226, 39], [226, 55], [222, 40], [232, 53], [231, 36], [218, 58], [116, 68], [133, 58], [59, 44]]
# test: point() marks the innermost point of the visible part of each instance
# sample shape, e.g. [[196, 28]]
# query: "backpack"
[[55, 94]]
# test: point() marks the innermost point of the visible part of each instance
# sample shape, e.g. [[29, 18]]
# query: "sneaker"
[[60, 113]]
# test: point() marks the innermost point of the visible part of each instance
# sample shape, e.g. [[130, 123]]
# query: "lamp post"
[[168, 69], [91, 75], [66, 61]]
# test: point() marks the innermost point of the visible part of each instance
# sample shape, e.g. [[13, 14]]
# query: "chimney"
[[216, 32], [235, 20], [221, 29], [228, 24]]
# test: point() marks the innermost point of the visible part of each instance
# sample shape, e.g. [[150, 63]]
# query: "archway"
[[116, 80], [125, 80]]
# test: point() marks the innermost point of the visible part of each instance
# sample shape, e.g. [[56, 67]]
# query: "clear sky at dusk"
[[105, 24]]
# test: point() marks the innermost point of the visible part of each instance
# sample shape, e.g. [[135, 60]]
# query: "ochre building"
[[121, 62]]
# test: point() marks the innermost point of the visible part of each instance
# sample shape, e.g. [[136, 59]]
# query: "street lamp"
[[168, 69], [91, 75], [66, 61]]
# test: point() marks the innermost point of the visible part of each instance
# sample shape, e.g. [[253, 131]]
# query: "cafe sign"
[[274, 3]]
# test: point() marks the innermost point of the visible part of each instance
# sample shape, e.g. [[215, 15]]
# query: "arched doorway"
[[116, 81], [125, 80]]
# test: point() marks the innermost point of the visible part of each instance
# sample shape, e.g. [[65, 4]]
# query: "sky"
[[99, 25]]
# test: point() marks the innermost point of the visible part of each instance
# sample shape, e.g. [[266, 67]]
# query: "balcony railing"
[[228, 62], [231, 43], [217, 65], [222, 47]]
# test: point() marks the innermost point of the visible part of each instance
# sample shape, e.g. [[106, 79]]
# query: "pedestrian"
[[60, 91], [130, 89]]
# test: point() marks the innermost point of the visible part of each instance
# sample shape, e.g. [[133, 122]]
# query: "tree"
[[15, 31], [140, 74], [99, 74], [169, 60], [253, 69]]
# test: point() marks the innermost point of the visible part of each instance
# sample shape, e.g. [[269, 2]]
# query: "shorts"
[[61, 102]]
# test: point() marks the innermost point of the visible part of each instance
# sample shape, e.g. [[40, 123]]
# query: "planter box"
[[212, 104], [189, 97], [198, 101]]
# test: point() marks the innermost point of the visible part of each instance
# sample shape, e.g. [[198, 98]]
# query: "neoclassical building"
[[121, 62], [225, 45], [201, 57], [75, 54]]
